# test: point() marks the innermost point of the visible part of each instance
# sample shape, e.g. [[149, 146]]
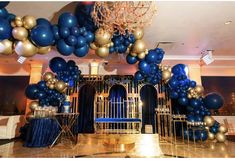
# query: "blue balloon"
[[191, 118], [44, 22], [151, 57], [10, 17], [198, 118], [81, 51], [122, 48], [71, 63], [41, 95], [31, 91], [63, 48], [111, 49], [64, 32], [71, 40], [132, 38], [89, 37], [42, 36], [213, 101], [192, 84], [67, 20], [174, 95], [144, 67], [195, 103], [3, 4], [178, 69], [42, 85], [74, 31], [82, 31], [131, 59], [138, 76], [3, 13], [81, 41], [173, 83], [183, 101], [55, 31], [214, 129], [57, 64], [5, 29]]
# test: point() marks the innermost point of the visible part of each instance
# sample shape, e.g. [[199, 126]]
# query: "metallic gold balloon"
[[25, 48], [18, 18], [102, 52], [18, 23], [20, 33], [54, 80], [223, 128], [29, 22], [189, 96], [139, 46], [211, 136], [220, 137], [199, 89], [60, 86], [13, 24], [133, 54], [102, 37], [93, 46], [33, 105], [6, 47], [141, 55], [47, 76], [166, 75], [209, 121], [138, 33], [51, 86], [44, 50]]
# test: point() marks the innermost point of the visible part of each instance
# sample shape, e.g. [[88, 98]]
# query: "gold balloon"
[[209, 121], [220, 137], [44, 50], [18, 18], [54, 80], [6, 47], [29, 22], [133, 54], [139, 46], [223, 128], [211, 136], [189, 96], [18, 23], [20, 33], [102, 52], [47, 76], [102, 37], [25, 48], [138, 33], [141, 55], [93, 46], [33, 105], [199, 89], [60, 86], [166, 75], [51, 86]]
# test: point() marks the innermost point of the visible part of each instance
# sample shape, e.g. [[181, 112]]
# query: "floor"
[[123, 146]]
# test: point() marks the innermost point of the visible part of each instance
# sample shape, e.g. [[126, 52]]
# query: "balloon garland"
[[27, 36]]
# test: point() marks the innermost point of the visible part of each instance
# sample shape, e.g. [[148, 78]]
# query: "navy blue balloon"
[[111, 49], [195, 103], [192, 84], [131, 59], [71, 63], [183, 101], [122, 48], [81, 51], [213, 101], [67, 20], [3, 13], [81, 41], [64, 32], [42, 36], [174, 95], [89, 37], [31, 91], [41, 94], [203, 135], [178, 69], [144, 67], [191, 118], [71, 40], [151, 57], [173, 83], [44, 22], [10, 17], [3, 4], [42, 85], [5, 29], [63, 48], [57, 64], [55, 31], [138, 76], [198, 118], [214, 129], [74, 31]]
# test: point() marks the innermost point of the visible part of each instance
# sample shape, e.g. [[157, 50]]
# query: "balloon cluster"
[[122, 43], [70, 38], [68, 72], [149, 69], [102, 42]]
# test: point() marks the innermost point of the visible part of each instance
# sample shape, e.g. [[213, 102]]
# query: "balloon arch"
[[76, 34]]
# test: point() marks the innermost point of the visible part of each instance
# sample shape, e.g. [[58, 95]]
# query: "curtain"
[[148, 96], [85, 122]]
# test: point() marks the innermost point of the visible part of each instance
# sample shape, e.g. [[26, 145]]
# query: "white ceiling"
[[191, 27]]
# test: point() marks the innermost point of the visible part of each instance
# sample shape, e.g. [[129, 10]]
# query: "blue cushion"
[[116, 120]]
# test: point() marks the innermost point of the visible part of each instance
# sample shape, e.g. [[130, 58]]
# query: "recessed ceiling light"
[[228, 22]]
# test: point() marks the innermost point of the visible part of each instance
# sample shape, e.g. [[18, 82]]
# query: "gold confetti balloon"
[[20, 33], [209, 121], [220, 137], [102, 52], [48, 76], [25, 48], [29, 22], [6, 47]]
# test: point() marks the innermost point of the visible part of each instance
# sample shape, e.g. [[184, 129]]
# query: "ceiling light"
[[228, 22]]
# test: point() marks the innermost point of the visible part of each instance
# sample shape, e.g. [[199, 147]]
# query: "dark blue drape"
[[148, 96], [41, 132], [85, 122], [117, 94]]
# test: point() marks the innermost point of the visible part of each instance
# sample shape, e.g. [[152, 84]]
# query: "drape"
[[40, 132], [85, 122], [148, 96]]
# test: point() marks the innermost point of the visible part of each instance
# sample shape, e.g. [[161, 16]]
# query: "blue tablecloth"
[[41, 132]]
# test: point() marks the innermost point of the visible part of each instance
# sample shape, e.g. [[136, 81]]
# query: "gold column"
[[35, 76]]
